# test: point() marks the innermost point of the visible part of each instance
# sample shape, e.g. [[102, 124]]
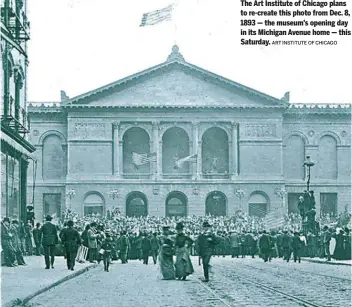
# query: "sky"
[[80, 45]]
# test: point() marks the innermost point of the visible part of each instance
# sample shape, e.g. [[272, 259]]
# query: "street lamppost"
[[308, 163], [113, 193], [240, 194], [71, 193], [282, 194]]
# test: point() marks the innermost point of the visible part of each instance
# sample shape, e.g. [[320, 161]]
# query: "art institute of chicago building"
[[249, 147]]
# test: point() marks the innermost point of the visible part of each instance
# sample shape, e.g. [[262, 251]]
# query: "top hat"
[[179, 226], [206, 224]]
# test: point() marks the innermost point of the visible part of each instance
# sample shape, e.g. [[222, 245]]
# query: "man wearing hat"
[[71, 240], [30, 215], [206, 243], [49, 240]]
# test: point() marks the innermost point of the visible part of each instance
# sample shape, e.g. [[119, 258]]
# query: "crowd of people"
[[118, 237]]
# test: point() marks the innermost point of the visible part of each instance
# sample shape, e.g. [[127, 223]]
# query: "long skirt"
[[183, 263], [166, 264]]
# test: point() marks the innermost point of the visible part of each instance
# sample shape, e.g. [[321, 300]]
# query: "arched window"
[[53, 158], [136, 204], [327, 158], [294, 155], [258, 204], [175, 147], [215, 204], [135, 140], [176, 204], [215, 153], [93, 203]]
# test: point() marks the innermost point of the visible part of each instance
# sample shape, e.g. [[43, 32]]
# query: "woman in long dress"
[[166, 253], [183, 263]]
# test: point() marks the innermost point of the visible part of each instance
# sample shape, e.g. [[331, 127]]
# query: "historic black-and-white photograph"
[[148, 159]]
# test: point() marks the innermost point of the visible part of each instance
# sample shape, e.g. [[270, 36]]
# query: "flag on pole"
[[155, 17], [179, 163], [140, 159]]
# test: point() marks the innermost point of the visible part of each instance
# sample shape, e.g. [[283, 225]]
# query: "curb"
[[23, 301], [327, 262]]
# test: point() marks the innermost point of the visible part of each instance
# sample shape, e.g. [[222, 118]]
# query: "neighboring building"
[[249, 147], [15, 148]]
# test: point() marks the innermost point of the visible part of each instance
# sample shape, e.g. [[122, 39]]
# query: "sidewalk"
[[21, 282], [332, 262]]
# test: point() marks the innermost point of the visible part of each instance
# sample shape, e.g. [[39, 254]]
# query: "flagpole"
[[174, 20]]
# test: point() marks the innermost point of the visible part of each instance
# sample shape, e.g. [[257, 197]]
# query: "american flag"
[[155, 17], [140, 159], [179, 163], [272, 221]]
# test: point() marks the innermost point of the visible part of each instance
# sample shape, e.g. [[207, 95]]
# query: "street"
[[234, 282]]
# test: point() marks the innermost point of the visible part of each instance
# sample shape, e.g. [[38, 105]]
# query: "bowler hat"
[[6, 219], [206, 224], [48, 218], [70, 223]]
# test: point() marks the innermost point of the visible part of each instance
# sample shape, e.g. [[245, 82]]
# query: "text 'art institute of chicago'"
[[176, 139]]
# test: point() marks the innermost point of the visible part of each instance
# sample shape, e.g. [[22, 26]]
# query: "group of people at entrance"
[[180, 246]]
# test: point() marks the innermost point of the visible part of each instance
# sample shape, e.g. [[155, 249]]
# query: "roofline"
[[167, 63]]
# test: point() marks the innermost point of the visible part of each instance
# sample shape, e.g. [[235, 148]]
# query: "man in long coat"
[[49, 241], [71, 241], [37, 237], [154, 242], [146, 247], [206, 242], [264, 245]]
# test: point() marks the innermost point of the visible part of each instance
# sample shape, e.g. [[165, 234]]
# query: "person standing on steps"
[[206, 243], [49, 241]]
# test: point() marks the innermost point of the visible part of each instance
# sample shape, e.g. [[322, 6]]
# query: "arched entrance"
[[215, 153], [136, 204], [176, 204], [135, 140], [258, 204], [175, 147], [93, 204], [215, 204]]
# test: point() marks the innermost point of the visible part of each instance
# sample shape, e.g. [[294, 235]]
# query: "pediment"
[[175, 84]]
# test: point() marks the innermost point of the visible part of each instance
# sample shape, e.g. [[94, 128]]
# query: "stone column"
[[234, 150], [156, 149], [199, 160], [195, 147], [116, 149]]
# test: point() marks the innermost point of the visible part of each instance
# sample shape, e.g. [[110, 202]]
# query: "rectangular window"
[[52, 204], [293, 199], [328, 203]]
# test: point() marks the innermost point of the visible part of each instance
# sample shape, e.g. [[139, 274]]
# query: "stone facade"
[[16, 150], [249, 147]]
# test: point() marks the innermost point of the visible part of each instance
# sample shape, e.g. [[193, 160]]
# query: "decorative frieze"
[[260, 130], [89, 130]]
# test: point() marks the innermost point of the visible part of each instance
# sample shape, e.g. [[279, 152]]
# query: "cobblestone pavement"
[[135, 284]]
